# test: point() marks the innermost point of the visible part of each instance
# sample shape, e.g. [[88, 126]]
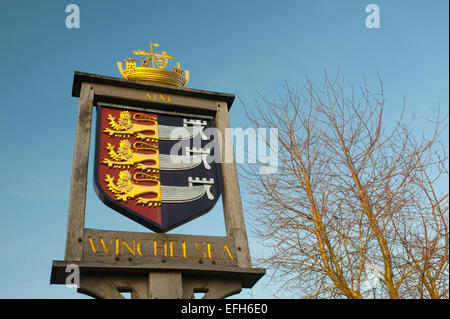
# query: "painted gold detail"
[[156, 73], [125, 189], [125, 157], [125, 127], [149, 247], [158, 97]]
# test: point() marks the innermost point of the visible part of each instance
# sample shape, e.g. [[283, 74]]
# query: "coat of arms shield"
[[156, 169]]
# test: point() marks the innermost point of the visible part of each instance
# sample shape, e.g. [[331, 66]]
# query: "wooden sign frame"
[[168, 274]]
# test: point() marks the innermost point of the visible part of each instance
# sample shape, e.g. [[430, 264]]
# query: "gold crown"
[[156, 73]]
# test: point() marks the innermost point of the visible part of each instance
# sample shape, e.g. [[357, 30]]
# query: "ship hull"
[[153, 75]]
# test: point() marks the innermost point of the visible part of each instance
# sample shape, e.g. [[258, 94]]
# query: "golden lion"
[[125, 157], [124, 127], [125, 188]]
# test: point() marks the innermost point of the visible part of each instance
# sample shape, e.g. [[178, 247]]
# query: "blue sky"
[[239, 47]]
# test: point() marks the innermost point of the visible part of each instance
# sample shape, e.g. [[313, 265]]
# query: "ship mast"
[[151, 52]]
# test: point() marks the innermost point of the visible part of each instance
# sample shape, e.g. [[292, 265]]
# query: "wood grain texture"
[[77, 202], [231, 195], [165, 285], [248, 276]]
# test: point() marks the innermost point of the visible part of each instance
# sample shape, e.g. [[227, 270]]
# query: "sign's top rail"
[[80, 77]]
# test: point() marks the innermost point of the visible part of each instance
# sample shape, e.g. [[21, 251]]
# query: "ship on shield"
[[138, 175]]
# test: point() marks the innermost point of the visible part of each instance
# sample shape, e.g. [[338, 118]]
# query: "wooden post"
[[165, 285], [77, 202], [231, 196]]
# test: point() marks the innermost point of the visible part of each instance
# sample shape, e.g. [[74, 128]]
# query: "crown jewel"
[[149, 66]]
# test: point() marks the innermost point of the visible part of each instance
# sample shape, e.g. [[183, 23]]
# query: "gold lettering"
[[225, 248], [132, 251], [155, 248], [210, 250], [157, 97], [183, 243], [94, 249], [171, 248], [199, 249], [138, 247]]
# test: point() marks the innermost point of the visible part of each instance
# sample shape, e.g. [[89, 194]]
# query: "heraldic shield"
[[156, 169]]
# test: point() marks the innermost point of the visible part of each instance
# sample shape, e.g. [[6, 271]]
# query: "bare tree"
[[356, 209]]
